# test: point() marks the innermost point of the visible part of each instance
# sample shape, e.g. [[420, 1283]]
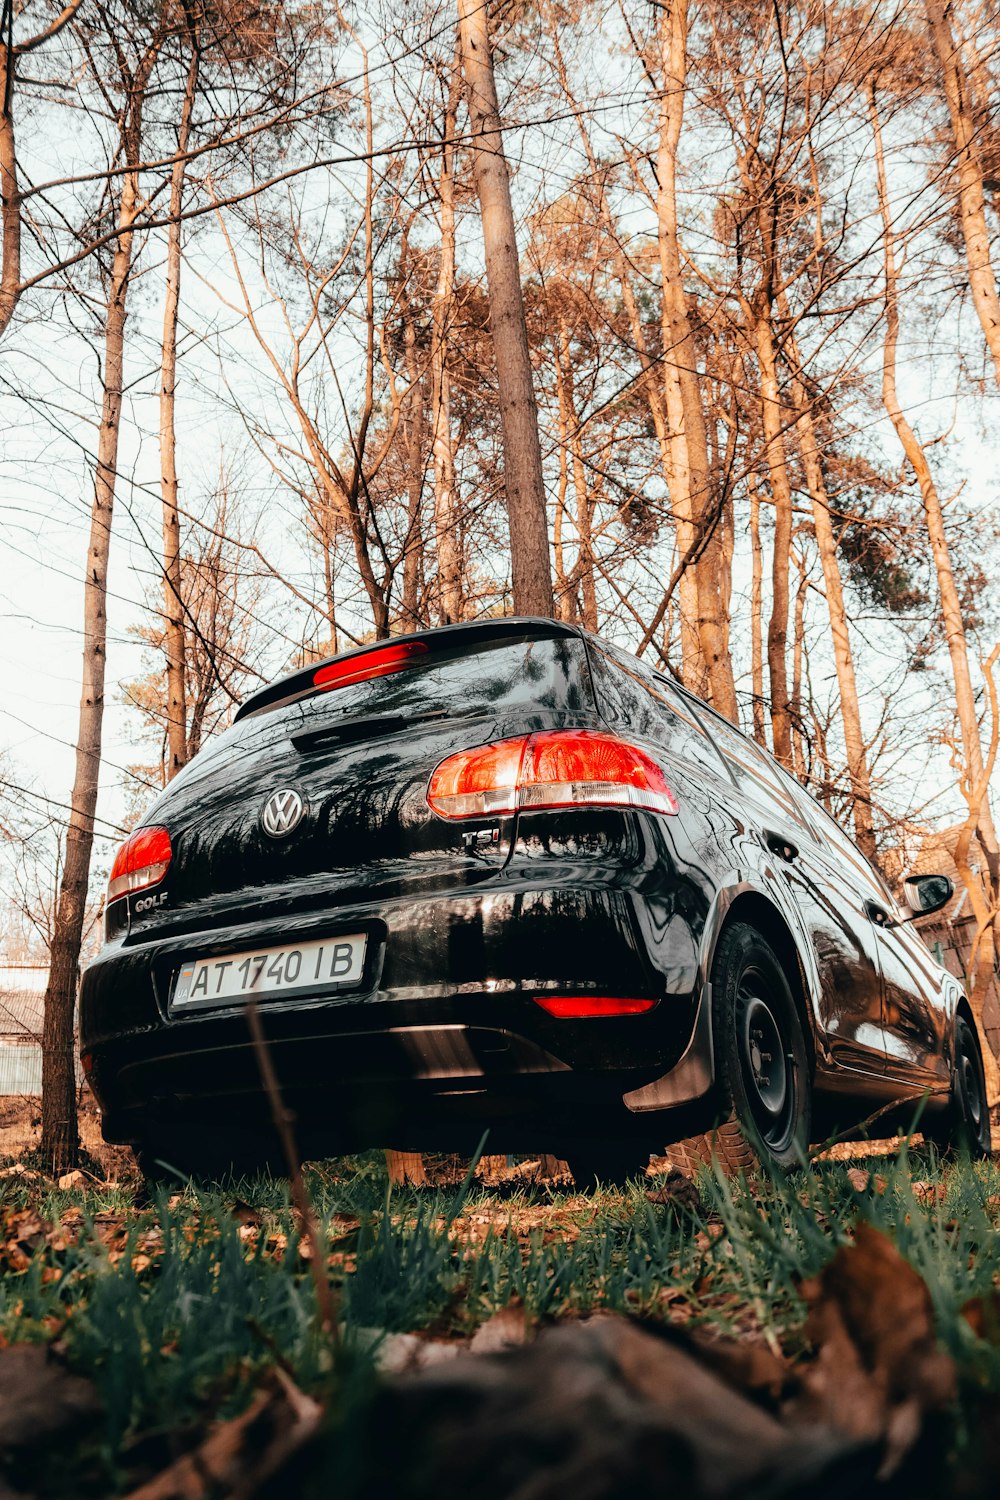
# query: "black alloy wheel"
[[761, 1056]]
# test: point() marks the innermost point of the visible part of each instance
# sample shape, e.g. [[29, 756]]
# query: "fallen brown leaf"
[[504, 1330], [40, 1400], [878, 1371], [246, 1214], [239, 1457], [677, 1192]]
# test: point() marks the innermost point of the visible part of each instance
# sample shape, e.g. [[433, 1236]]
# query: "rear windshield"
[[509, 675]]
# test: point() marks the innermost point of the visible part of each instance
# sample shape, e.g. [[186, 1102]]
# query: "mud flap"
[[691, 1077]]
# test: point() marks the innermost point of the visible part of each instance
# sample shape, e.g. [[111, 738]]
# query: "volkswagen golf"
[[504, 876]]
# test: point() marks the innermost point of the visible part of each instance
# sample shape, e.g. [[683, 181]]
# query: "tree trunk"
[[413, 443], [60, 1135], [696, 502], [756, 606], [406, 1166], [531, 572], [173, 606], [971, 200], [446, 526], [564, 590], [10, 195], [984, 896], [798, 648], [826, 546], [584, 570], [781, 494]]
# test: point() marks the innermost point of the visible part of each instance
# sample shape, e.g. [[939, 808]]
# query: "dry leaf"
[[239, 1457], [878, 1370], [245, 1214], [677, 1192], [505, 1329], [40, 1400]]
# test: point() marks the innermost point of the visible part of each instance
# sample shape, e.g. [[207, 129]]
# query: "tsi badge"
[[282, 813]]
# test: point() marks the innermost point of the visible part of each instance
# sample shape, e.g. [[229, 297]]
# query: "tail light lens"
[[142, 860], [580, 1007], [557, 768]]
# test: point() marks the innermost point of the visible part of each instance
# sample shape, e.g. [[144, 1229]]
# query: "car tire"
[[761, 1062], [607, 1165], [965, 1126]]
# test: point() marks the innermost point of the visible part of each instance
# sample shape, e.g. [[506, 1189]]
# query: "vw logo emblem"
[[282, 813]]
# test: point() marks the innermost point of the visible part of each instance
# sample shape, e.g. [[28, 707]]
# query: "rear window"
[[518, 673], [509, 675]]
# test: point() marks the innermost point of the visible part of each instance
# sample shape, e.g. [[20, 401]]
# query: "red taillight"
[[371, 664], [478, 783], [142, 860], [557, 768], [579, 1007]]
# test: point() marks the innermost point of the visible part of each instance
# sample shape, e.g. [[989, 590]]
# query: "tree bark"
[[10, 194], [173, 602], [446, 518], [971, 199], [798, 649], [781, 494], [406, 1167], [412, 429], [756, 606], [695, 499], [584, 569], [843, 655], [60, 1135], [531, 571]]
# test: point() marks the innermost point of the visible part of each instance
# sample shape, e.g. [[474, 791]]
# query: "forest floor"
[[838, 1332]]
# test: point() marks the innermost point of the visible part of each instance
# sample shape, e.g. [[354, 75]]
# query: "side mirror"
[[926, 893]]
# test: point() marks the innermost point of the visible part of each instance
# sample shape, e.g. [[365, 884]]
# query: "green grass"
[[175, 1311]]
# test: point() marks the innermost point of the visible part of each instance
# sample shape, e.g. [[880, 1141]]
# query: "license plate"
[[266, 972]]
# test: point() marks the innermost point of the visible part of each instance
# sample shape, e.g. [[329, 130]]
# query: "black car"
[[503, 875]]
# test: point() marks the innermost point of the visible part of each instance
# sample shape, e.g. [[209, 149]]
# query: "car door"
[[831, 894], [913, 1004]]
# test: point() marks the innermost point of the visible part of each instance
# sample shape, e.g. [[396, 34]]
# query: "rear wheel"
[[966, 1124], [761, 1061]]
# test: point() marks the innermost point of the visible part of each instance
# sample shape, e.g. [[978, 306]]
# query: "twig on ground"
[[284, 1122]]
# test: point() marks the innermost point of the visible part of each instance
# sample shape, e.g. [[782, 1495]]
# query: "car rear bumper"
[[407, 1058]]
